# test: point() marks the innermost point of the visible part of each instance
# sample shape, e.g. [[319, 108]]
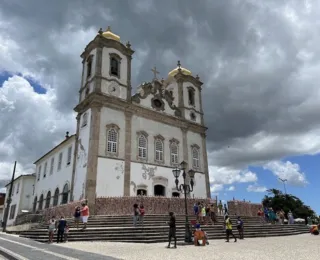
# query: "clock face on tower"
[[114, 89]]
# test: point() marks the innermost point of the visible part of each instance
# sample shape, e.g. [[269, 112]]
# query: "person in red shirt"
[[84, 215]]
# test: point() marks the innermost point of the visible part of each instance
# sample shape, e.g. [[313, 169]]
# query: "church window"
[[193, 116], [191, 96], [40, 202], [195, 157], [48, 198], [56, 197], [112, 141], [52, 166], [89, 67], [142, 147], [159, 150], [65, 194], [141, 192], [45, 170], [69, 155], [84, 119], [87, 92], [39, 173], [60, 161], [174, 153], [115, 61]]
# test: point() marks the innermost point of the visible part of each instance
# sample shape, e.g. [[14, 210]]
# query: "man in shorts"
[[84, 215]]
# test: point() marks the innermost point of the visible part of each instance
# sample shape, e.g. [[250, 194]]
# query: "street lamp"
[[185, 189], [284, 184]]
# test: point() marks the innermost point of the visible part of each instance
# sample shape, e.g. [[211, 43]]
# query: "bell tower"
[[106, 66]]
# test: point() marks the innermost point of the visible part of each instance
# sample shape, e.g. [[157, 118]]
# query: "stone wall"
[[123, 206], [242, 208], [24, 218]]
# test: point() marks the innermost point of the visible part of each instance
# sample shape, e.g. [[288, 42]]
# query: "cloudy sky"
[[259, 61]]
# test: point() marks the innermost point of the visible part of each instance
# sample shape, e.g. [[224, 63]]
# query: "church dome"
[[176, 71], [110, 35]]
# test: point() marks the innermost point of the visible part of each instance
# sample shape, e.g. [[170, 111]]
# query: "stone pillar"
[[127, 155], [205, 164], [185, 152], [201, 108], [180, 97], [129, 88], [98, 66], [93, 151], [75, 152]]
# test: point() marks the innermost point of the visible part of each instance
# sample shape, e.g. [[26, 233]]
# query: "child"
[[66, 232], [51, 228]]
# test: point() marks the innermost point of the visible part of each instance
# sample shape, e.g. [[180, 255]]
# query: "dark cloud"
[[258, 61]]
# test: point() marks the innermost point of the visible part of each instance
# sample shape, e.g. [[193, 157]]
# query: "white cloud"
[[256, 188], [289, 171], [214, 188], [231, 188], [30, 125]]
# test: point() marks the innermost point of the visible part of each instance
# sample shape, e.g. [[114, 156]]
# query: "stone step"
[[161, 237], [154, 228]]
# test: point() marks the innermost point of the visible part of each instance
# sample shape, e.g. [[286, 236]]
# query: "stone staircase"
[[120, 229]]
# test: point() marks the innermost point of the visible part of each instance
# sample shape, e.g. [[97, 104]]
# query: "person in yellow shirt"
[[229, 232]]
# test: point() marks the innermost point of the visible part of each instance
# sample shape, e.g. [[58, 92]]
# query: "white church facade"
[[126, 145]]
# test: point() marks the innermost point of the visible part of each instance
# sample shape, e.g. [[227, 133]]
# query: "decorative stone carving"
[[119, 170], [173, 140], [159, 93], [160, 180], [132, 183], [82, 155], [148, 171]]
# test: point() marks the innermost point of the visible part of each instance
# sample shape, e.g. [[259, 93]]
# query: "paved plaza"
[[297, 247]]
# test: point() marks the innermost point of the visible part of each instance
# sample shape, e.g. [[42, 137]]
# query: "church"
[[126, 144]]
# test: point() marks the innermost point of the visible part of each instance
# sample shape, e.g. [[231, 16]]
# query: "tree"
[[277, 200]]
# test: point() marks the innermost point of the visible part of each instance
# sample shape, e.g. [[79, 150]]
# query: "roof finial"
[[179, 66], [128, 45], [100, 31], [155, 72], [197, 77], [109, 29], [67, 135]]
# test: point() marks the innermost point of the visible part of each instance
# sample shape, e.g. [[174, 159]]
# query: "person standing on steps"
[[141, 216], [172, 229], [77, 216], [240, 227], [51, 228], [84, 215], [220, 208], [61, 228], [229, 232], [225, 209], [136, 213]]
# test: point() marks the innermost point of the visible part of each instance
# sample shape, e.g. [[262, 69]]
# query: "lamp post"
[[185, 188], [284, 184], [6, 210]]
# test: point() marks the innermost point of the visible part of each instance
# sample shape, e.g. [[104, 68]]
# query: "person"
[[61, 228], [240, 227], [213, 215], [281, 217], [229, 232], [172, 230], [196, 210], [220, 208], [66, 233], [200, 237], [226, 209], [290, 218], [51, 228], [84, 215], [77, 216], [141, 216], [135, 214], [314, 230]]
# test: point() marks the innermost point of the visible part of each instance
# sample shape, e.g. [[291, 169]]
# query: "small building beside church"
[[126, 144], [21, 196]]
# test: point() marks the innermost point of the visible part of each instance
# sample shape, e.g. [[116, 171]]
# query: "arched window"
[[56, 197], [35, 203], [174, 153], [195, 157], [114, 67], [40, 202], [89, 66], [191, 96], [159, 150], [48, 199], [112, 138], [142, 146], [65, 194]]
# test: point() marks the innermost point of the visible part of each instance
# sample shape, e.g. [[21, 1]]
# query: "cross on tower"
[[179, 65], [155, 72]]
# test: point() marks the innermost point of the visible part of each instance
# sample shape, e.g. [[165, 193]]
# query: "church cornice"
[[188, 78], [102, 100]]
